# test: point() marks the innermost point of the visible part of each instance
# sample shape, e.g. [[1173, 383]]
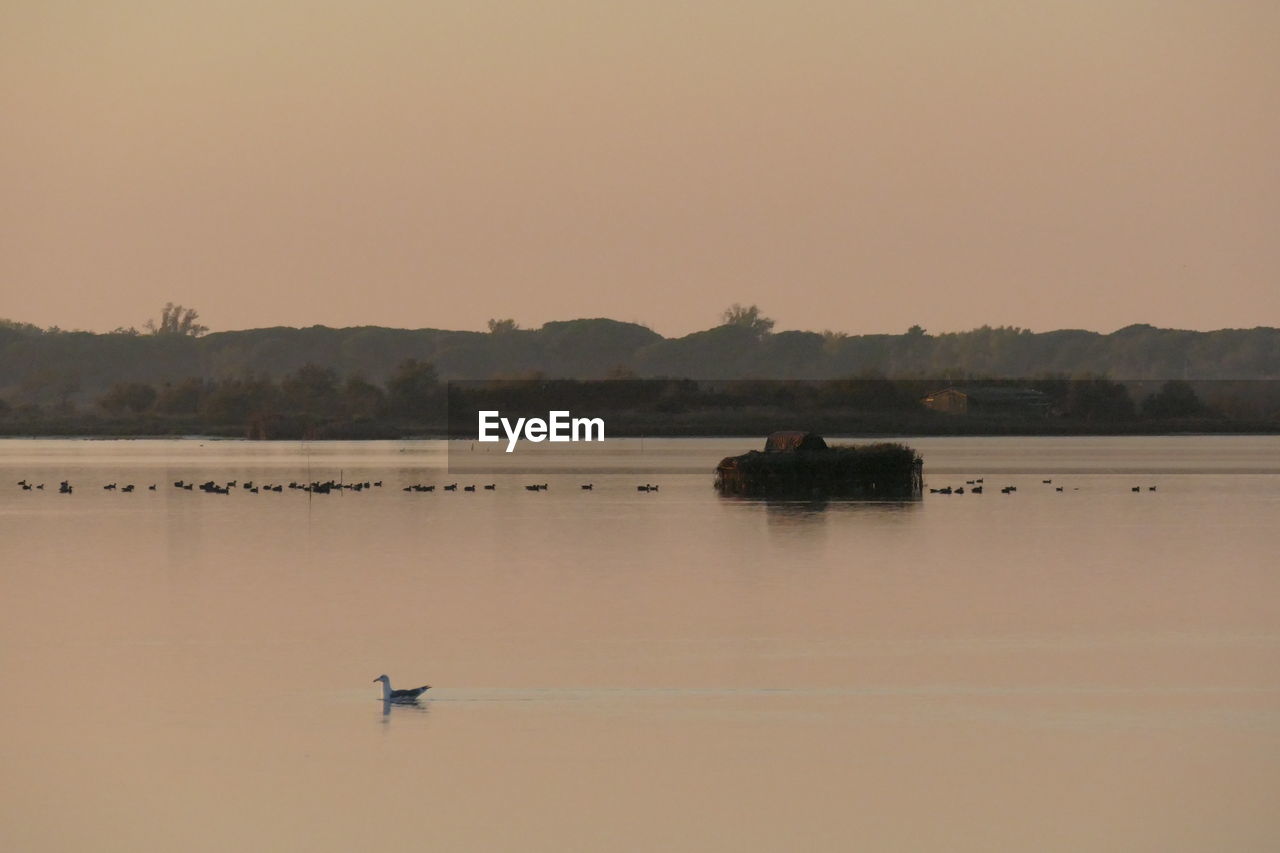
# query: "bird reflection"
[[403, 706], [407, 697]]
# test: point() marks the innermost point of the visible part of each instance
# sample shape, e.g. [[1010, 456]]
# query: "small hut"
[[800, 465], [998, 400], [793, 439]]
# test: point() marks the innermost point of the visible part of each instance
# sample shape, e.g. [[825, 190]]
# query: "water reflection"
[[404, 706], [801, 510], [796, 512]]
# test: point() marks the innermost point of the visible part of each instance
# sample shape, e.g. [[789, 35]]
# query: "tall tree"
[[1096, 398], [311, 388], [1175, 399], [361, 398], [236, 401], [181, 398], [748, 318], [413, 389], [176, 320], [122, 397]]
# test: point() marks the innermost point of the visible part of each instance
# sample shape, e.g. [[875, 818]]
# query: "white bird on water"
[[408, 695]]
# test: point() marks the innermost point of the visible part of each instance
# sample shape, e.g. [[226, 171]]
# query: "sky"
[[853, 166]]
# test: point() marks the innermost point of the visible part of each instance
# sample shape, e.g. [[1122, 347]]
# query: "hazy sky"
[[858, 166]]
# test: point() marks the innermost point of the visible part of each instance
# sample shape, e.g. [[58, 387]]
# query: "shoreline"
[[1137, 432]]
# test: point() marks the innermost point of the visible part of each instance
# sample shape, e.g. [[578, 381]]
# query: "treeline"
[[310, 402], [1090, 405], [316, 402], [51, 367]]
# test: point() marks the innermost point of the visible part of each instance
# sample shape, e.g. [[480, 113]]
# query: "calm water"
[[1091, 669]]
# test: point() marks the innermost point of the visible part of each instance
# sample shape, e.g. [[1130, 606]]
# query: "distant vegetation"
[[316, 402], [272, 382]]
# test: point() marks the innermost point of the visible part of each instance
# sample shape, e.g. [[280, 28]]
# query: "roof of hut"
[[793, 439]]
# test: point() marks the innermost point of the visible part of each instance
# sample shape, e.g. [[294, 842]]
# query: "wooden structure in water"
[[800, 465]]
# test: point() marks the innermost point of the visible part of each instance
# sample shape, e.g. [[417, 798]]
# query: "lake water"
[[1090, 669]]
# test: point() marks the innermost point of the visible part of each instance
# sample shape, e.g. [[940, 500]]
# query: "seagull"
[[409, 695]]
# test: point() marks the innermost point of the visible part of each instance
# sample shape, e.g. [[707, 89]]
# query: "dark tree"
[[50, 383], [1097, 399], [20, 328], [748, 318], [311, 389], [176, 320], [362, 399], [621, 372], [1175, 399], [135, 397], [237, 401], [413, 390], [181, 398]]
